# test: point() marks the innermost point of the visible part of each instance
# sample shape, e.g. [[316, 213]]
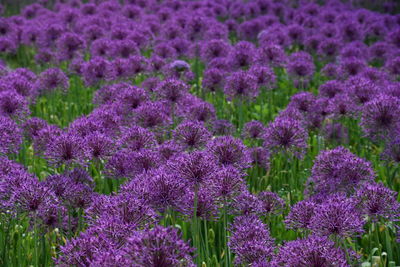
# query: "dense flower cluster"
[[203, 115]]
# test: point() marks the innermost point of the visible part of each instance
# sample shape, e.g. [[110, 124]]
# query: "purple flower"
[[250, 240], [247, 204], [242, 55], [65, 149], [264, 75], [152, 114], [377, 201], [222, 127], [338, 170], [191, 134], [260, 157], [302, 101], [253, 130], [312, 251], [241, 84], [227, 183], [136, 138], [44, 137], [330, 89], [229, 151], [201, 111], [171, 90], [352, 66], [300, 215], [50, 80], [271, 202], [164, 189], [286, 135], [337, 216], [68, 45], [169, 149], [214, 49], [213, 79], [379, 116], [10, 136], [300, 65], [13, 105], [98, 146], [272, 55], [158, 247], [97, 70], [194, 168], [392, 148]]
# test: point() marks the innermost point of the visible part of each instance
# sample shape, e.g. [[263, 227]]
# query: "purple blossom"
[[377, 201], [10, 136], [194, 168], [253, 129], [312, 251], [158, 247], [13, 105], [241, 84], [286, 135], [338, 170], [191, 134], [337, 216], [229, 151], [65, 149], [250, 240], [300, 215], [379, 116]]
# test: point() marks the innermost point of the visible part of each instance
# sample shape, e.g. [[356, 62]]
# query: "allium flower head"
[[312, 251], [338, 170], [152, 114], [97, 70], [300, 215], [330, 88], [194, 168], [158, 247], [392, 148], [65, 149], [247, 204], [10, 136], [302, 101], [250, 240], [242, 55], [337, 216], [264, 75], [241, 84], [227, 183], [379, 116], [164, 189], [229, 151], [98, 146], [136, 138], [171, 89], [68, 45], [286, 135], [191, 134], [253, 130], [213, 79], [272, 203], [377, 201], [52, 79], [201, 111], [13, 105], [300, 65], [214, 49]]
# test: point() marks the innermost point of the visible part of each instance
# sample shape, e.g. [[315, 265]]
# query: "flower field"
[[210, 133]]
